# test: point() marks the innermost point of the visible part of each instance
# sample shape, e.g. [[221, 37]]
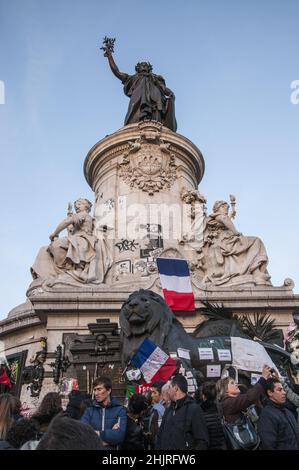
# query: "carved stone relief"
[[148, 164]]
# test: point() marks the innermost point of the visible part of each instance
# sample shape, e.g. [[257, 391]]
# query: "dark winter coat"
[[214, 425], [103, 419], [233, 406], [134, 438], [183, 427], [277, 428]]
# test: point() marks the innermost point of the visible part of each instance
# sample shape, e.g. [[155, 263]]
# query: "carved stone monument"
[[145, 178]]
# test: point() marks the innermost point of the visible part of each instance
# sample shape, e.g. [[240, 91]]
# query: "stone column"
[[138, 174]]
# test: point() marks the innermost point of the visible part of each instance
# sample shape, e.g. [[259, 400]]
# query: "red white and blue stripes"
[[154, 363], [176, 284]]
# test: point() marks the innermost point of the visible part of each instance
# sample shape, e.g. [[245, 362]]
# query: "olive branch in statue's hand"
[[108, 46]]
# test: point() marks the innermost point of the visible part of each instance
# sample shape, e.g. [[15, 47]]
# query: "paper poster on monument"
[[249, 355], [214, 371], [206, 354], [184, 353], [224, 355]]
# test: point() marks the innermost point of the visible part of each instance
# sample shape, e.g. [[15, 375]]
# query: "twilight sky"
[[230, 64]]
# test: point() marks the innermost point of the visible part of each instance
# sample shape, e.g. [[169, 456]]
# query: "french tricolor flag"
[[154, 363], [176, 284]]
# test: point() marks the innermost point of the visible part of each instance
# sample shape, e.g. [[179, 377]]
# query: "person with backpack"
[[183, 425]]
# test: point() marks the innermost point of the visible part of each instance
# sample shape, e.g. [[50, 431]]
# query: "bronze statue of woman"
[[149, 96]]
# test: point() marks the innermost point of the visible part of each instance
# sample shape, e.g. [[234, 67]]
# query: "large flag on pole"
[[176, 284], [154, 363]]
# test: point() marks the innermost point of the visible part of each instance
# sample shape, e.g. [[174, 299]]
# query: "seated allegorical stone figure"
[[230, 257], [196, 202], [80, 254], [149, 96]]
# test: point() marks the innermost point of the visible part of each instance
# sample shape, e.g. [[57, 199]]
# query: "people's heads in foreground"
[[102, 389], [157, 391], [78, 402], [208, 391], [9, 407], [178, 387], [275, 391], [22, 431], [50, 405], [137, 405], [68, 434]]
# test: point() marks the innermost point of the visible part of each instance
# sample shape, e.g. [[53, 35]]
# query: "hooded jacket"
[[102, 419]]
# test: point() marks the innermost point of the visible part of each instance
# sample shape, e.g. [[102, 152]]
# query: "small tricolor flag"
[[154, 363], [176, 284]]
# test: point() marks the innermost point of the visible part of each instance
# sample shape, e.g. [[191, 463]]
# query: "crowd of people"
[[165, 417]]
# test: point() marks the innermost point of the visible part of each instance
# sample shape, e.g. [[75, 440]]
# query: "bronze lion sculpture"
[[146, 315]]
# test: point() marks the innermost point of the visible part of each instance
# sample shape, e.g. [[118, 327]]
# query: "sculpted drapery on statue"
[[230, 256], [222, 255], [149, 96], [80, 254]]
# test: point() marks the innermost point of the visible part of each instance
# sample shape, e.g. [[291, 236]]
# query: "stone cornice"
[[18, 322], [108, 301], [118, 142]]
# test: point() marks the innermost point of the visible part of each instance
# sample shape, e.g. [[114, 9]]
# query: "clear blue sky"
[[230, 64]]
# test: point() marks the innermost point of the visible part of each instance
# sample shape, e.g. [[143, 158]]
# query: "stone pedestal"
[[138, 175]]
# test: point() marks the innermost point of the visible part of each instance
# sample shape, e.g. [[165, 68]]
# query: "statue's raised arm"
[[150, 99], [108, 48]]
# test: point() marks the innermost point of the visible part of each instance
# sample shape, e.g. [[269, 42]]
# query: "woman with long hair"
[[49, 407], [8, 405], [233, 402]]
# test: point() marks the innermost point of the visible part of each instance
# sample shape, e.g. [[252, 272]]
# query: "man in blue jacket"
[[106, 416]]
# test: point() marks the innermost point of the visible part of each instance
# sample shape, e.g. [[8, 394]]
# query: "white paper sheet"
[[184, 353], [249, 355], [206, 354], [214, 371], [224, 355]]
